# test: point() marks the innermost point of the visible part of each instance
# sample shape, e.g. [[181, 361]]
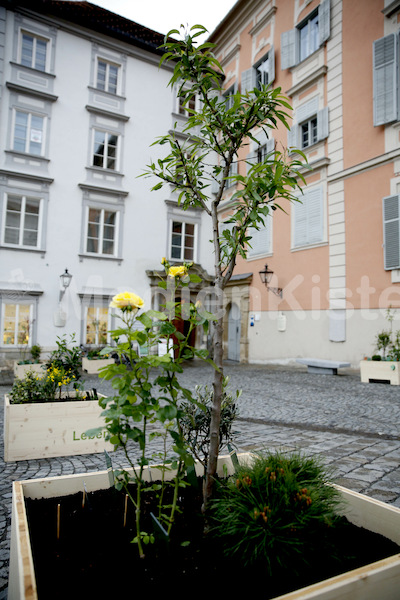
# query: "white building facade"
[[82, 100]]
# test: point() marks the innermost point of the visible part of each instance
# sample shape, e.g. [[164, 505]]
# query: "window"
[[386, 79], [22, 221], [299, 43], [311, 125], [308, 37], [182, 241], [309, 133], [107, 76], [229, 96], [28, 133], [261, 73], [16, 324], [96, 326], [105, 150], [33, 51], [186, 106], [101, 231], [308, 218], [261, 239], [391, 232]]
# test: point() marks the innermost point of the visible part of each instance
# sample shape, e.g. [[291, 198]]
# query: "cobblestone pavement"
[[354, 426]]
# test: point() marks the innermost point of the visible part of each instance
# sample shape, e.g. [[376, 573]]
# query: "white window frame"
[[22, 228], [105, 158], [308, 218], [16, 344], [182, 257], [35, 37], [97, 307], [109, 64], [30, 129], [100, 239], [183, 110], [306, 114]]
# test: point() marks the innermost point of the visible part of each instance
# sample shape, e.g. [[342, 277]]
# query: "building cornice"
[[377, 161], [21, 89], [87, 187], [307, 81], [106, 113]]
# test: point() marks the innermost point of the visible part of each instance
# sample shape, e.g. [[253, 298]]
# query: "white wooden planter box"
[[380, 370], [21, 370], [379, 580], [51, 429], [92, 366]]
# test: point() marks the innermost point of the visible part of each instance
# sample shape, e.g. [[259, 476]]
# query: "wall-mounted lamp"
[[266, 277], [65, 279]]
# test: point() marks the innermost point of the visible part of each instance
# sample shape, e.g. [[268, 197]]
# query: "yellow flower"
[[180, 272], [163, 260], [127, 301]]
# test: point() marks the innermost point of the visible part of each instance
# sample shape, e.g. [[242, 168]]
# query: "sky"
[[164, 15]]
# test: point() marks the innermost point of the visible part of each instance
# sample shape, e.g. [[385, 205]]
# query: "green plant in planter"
[[274, 511], [196, 420], [383, 342], [97, 353], [394, 349], [148, 391], [43, 388], [67, 358], [36, 351]]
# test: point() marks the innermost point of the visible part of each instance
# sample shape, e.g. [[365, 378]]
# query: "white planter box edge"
[[21, 370], [378, 580]]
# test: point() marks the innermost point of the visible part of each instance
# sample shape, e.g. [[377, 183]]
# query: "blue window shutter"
[[270, 145], [324, 18], [248, 80], [323, 123], [251, 158], [289, 48], [385, 64], [271, 66], [307, 110], [391, 232]]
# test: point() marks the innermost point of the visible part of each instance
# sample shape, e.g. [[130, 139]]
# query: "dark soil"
[[94, 556]]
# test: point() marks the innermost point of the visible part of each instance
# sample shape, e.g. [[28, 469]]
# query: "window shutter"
[[248, 80], [314, 215], [307, 110], [324, 18], [260, 239], [323, 124], [271, 66], [385, 66], [308, 218], [391, 232], [270, 145], [214, 186], [251, 158], [293, 136], [289, 48]]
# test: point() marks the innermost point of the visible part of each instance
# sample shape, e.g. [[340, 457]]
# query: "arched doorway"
[[234, 333]]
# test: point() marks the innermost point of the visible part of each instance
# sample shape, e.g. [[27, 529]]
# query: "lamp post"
[[266, 277]]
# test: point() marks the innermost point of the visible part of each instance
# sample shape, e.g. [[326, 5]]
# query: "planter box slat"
[[21, 370], [51, 429], [378, 580]]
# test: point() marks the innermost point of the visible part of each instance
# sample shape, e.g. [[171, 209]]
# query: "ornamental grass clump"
[[276, 512]]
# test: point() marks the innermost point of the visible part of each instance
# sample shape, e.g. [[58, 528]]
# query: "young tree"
[[215, 133]]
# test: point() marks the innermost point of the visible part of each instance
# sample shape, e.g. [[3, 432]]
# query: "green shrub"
[[67, 358], [196, 420], [275, 511], [36, 351]]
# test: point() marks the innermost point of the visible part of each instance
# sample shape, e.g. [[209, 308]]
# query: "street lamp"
[[65, 279], [266, 277]]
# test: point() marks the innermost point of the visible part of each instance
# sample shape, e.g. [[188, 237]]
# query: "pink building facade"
[[335, 254]]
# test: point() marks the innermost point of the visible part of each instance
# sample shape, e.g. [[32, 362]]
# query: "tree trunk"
[[218, 372]]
